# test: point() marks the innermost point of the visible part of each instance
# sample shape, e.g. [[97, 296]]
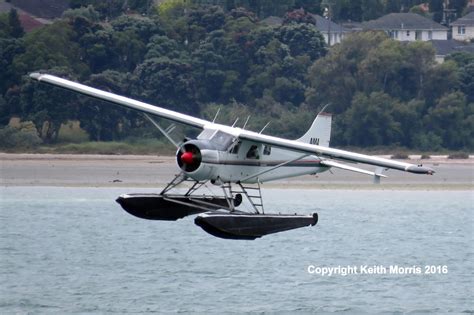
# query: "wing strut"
[[166, 133], [335, 164]]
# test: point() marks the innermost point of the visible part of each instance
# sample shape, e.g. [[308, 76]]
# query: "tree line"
[[339, 10], [196, 58]]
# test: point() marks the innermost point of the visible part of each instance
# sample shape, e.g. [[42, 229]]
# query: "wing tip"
[[35, 75], [419, 169]]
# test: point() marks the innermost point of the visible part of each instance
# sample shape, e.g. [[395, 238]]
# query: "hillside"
[[198, 59]]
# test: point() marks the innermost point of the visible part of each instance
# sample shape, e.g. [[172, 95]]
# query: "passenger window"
[[267, 150], [253, 153], [235, 148]]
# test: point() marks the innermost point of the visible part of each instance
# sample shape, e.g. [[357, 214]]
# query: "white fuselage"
[[253, 162]]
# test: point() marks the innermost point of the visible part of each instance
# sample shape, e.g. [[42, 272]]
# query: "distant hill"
[[47, 9]]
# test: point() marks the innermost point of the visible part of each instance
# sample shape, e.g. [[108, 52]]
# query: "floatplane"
[[237, 161]]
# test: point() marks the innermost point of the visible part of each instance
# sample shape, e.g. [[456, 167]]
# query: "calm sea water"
[[73, 250]]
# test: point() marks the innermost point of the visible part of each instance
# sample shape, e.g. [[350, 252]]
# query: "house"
[[463, 28], [408, 27], [333, 33], [445, 47]]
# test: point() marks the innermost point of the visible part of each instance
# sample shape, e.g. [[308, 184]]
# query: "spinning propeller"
[[189, 157]]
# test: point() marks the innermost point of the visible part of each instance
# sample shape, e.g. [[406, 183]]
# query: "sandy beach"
[[71, 170]]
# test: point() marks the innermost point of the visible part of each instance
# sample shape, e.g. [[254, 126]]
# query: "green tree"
[[167, 83], [4, 112], [265, 8], [335, 78], [143, 27], [16, 30], [48, 47], [419, 58], [128, 48], [209, 65], [48, 107], [466, 77], [163, 46], [461, 58], [371, 9], [105, 122], [288, 90], [4, 27], [9, 48], [108, 8], [303, 39], [393, 6], [370, 122], [88, 13], [440, 79], [379, 71], [409, 115], [99, 50], [452, 119], [436, 7], [267, 67]]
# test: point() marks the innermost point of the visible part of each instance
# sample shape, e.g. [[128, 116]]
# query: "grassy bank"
[[145, 147]]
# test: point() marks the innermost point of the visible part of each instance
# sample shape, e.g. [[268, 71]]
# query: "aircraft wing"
[[119, 100], [332, 163], [324, 152], [332, 153]]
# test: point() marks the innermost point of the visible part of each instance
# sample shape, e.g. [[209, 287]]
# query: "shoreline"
[[149, 171]]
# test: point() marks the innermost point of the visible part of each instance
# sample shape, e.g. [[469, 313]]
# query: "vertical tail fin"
[[320, 131]]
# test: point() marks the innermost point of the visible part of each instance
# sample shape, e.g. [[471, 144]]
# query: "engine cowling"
[[189, 157], [196, 158]]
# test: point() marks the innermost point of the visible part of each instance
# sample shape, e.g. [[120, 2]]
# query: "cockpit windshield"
[[222, 140], [206, 134]]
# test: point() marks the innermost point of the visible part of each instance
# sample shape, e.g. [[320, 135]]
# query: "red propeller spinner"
[[189, 157]]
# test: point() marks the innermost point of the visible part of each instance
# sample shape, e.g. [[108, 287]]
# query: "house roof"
[[467, 20], [402, 21], [28, 22], [323, 25], [446, 47]]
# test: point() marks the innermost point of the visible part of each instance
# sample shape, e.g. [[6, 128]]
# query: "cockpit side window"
[[253, 152]]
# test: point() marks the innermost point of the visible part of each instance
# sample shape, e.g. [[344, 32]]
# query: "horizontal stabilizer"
[[349, 168]]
